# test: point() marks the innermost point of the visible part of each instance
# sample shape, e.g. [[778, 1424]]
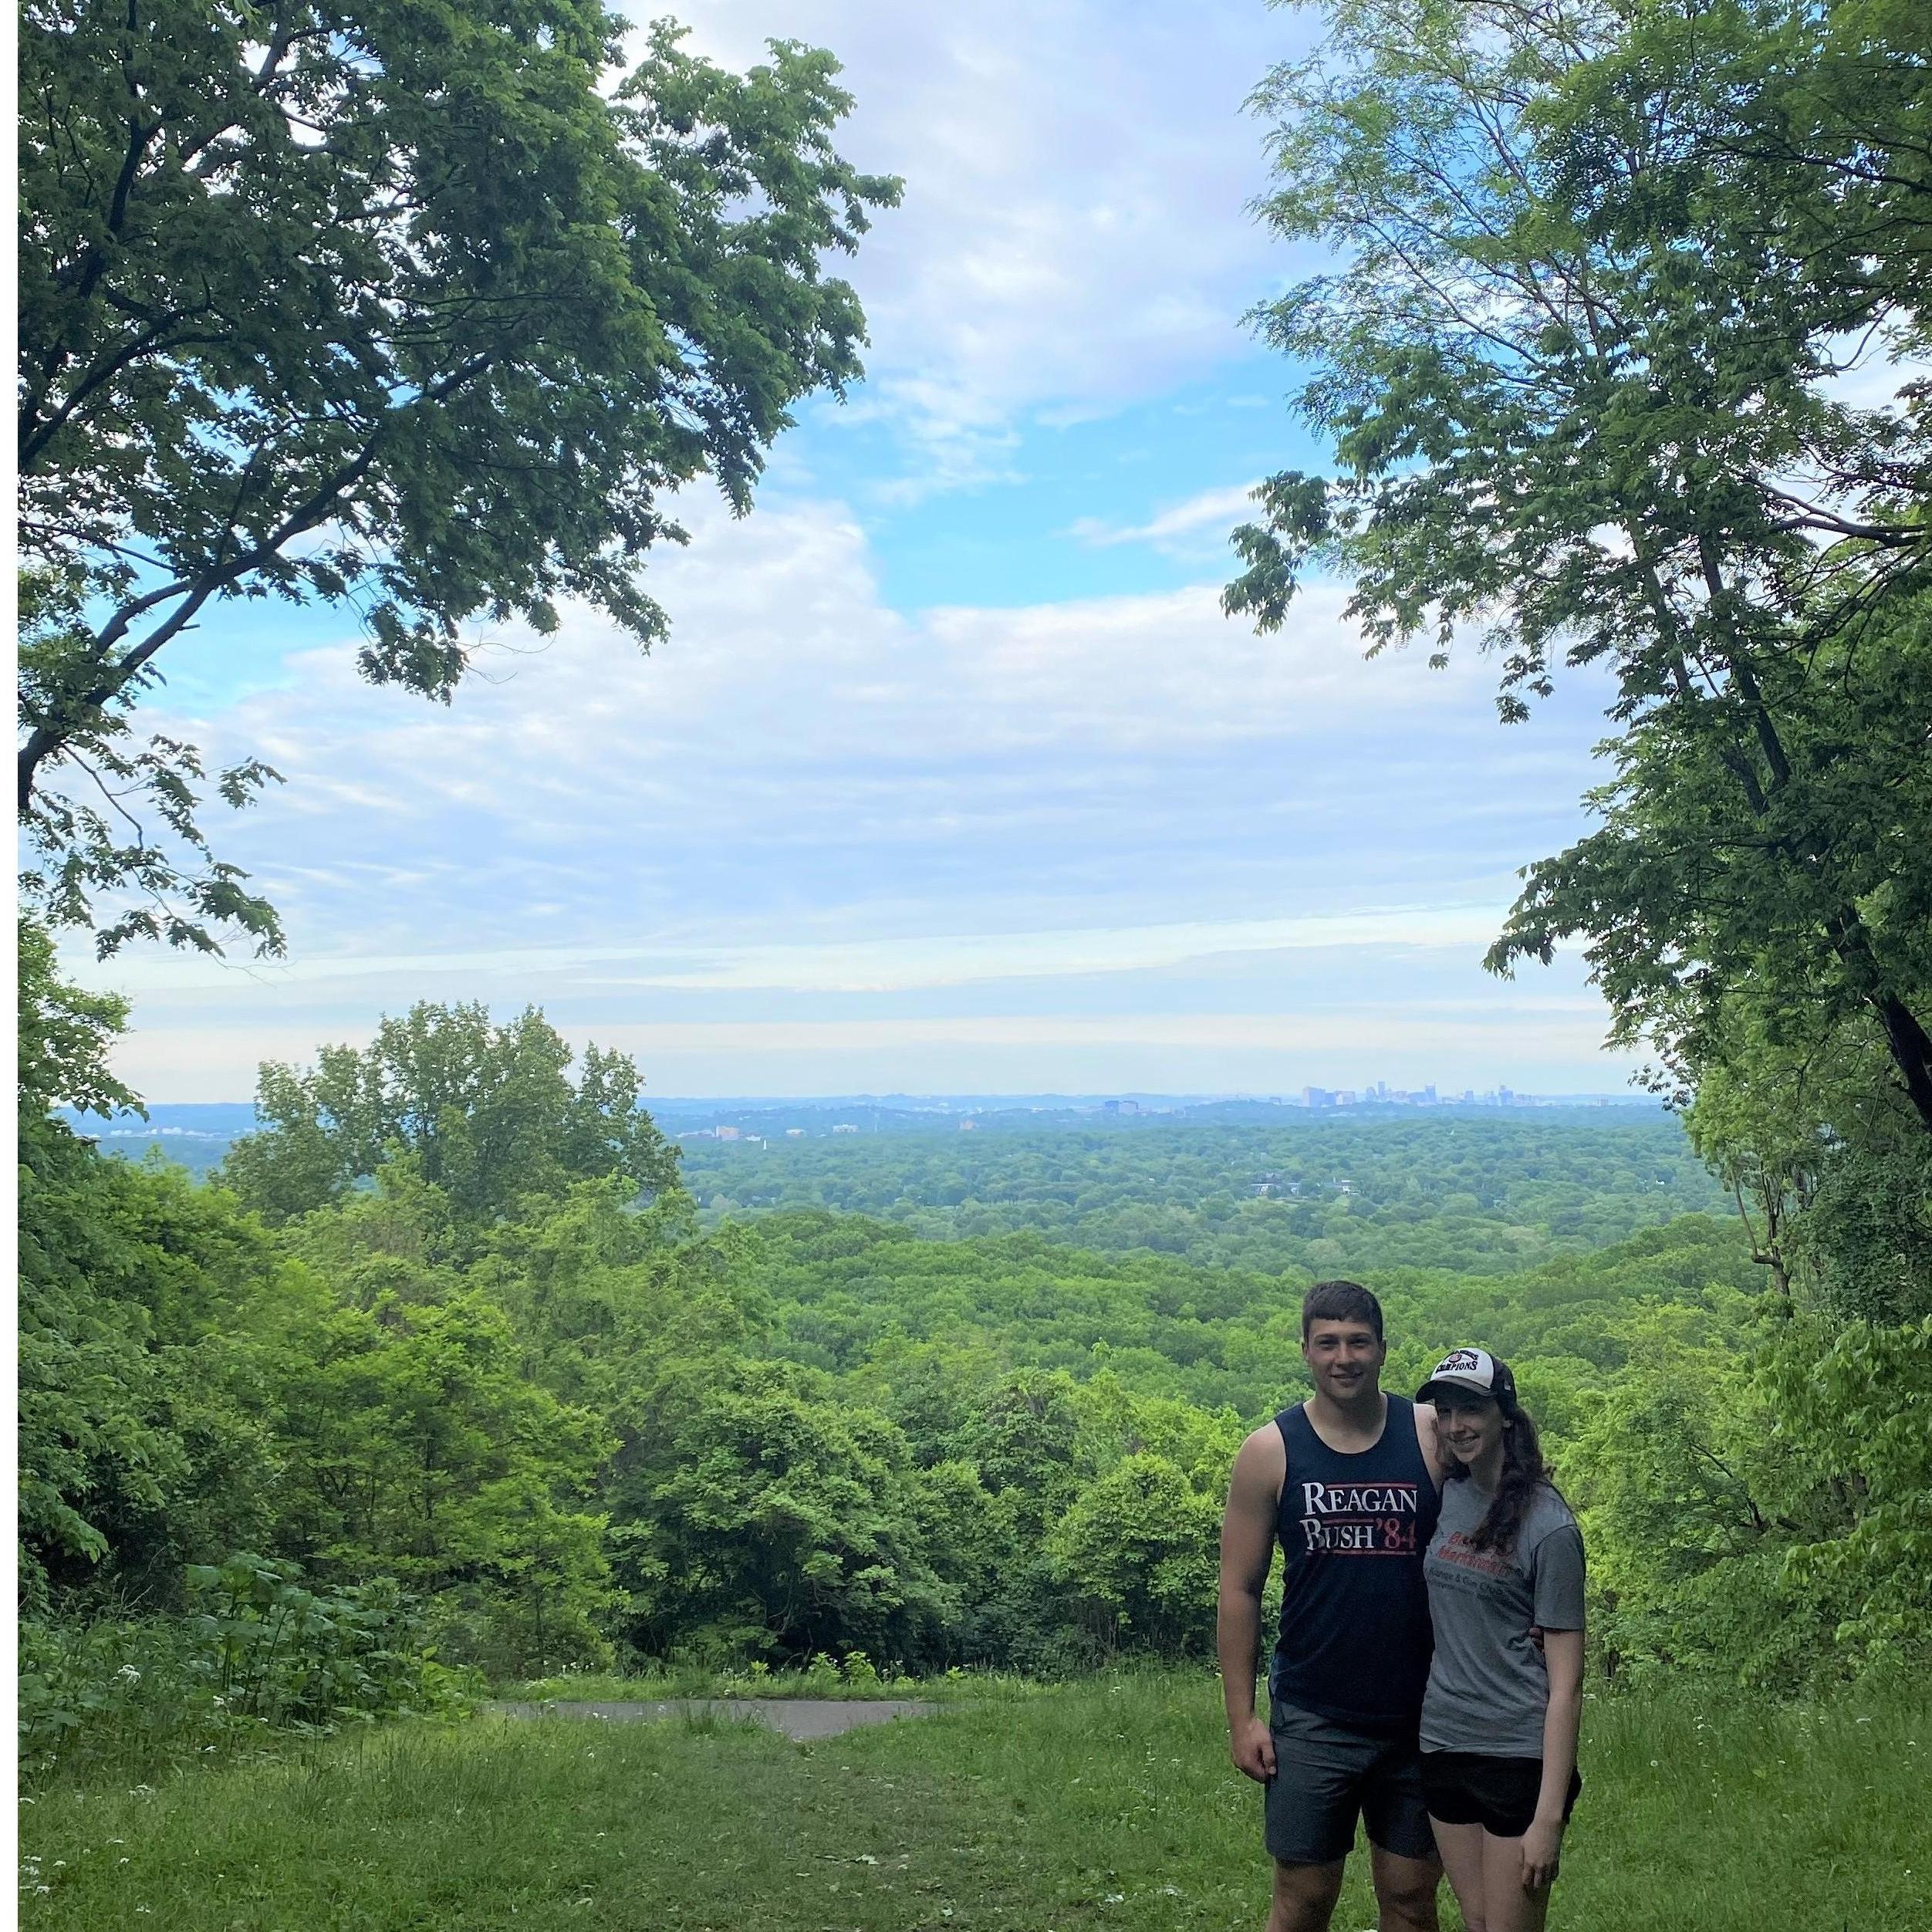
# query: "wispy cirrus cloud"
[[1210, 513]]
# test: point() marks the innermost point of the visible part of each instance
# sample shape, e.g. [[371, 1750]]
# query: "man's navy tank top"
[[1354, 1638]]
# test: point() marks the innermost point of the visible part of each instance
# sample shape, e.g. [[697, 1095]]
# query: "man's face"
[[1345, 1359]]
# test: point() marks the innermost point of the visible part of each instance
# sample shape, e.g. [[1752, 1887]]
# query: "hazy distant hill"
[[196, 1136], [828, 1151]]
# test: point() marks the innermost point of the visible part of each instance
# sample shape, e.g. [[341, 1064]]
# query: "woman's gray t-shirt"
[[1488, 1686]]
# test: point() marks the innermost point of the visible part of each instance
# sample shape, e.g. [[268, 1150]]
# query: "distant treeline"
[[1473, 1191]]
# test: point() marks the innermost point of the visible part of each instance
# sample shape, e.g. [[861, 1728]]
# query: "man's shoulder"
[[1264, 1455]]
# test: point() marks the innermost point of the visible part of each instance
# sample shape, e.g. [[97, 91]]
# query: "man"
[[1349, 1483]]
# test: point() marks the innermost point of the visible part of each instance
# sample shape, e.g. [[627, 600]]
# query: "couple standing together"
[[1428, 1675]]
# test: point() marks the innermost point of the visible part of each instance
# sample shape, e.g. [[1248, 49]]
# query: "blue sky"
[[951, 776]]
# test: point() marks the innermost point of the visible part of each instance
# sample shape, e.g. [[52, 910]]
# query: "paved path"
[[802, 1719]]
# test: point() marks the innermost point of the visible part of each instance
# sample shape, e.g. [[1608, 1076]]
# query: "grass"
[[1106, 1803]]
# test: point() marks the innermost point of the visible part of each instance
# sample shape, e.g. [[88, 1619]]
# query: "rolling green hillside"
[[1473, 1192]]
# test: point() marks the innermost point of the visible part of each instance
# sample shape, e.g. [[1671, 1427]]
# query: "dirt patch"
[[802, 1719]]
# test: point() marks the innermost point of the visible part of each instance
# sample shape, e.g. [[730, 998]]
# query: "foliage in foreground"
[[255, 1653], [579, 1430], [592, 1427], [1109, 1803]]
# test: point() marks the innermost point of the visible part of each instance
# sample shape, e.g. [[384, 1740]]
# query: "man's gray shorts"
[[1326, 1775]]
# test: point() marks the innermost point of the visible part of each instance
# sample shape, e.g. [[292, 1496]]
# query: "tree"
[[1668, 1476], [1829, 1171], [1858, 1409], [412, 1446], [410, 313], [488, 1113], [65, 1035], [137, 1449], [1580, 372], [753, 1511], [1137, 1550]]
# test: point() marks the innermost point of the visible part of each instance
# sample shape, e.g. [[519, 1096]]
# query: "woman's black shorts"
[[1499, 1794]]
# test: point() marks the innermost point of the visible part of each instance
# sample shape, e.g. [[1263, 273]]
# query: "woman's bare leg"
[[1461, 1847], [1507, 1907]]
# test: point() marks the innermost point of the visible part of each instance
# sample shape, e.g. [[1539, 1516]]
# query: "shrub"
[[259, 1654]]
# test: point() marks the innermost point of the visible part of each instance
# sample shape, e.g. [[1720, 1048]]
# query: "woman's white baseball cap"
[[1475, 1369]]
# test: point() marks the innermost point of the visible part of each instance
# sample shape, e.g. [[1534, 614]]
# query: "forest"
[[1463, 1191], [444, 1377]]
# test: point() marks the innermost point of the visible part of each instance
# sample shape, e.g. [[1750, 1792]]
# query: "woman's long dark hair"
[[1523, 1473]]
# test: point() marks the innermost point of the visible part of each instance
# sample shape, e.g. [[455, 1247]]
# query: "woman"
[[1499, 1719]]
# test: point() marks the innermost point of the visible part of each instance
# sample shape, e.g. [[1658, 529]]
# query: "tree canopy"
[[1616, 369], [1609, 268], [487, 1113], [419, 315]]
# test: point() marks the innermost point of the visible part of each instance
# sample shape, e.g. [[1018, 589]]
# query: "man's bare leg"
[[1405, 1891], [1304, 1896]]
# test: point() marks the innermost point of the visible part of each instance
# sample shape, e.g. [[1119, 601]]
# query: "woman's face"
[[1468, 1424]]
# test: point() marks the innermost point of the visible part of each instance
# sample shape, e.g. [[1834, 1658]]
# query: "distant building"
[[729, 1133], [1317, 1097], [969, 1126], [794, 1133], [844, 1127]]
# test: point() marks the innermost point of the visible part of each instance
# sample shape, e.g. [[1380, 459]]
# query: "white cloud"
[[1212, 511], [783, 660], [888, 962], [1075, 233], [805, 797]]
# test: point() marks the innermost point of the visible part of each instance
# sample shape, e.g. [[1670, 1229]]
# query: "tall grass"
[[1105, 1804], [257, 1659]]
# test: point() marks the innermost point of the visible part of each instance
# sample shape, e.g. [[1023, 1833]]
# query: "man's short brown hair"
[[1340, 1302]]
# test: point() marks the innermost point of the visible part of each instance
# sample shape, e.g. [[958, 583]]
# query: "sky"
[[951, 776]]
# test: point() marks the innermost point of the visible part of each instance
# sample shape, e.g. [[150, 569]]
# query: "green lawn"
[[1103, 1804]]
